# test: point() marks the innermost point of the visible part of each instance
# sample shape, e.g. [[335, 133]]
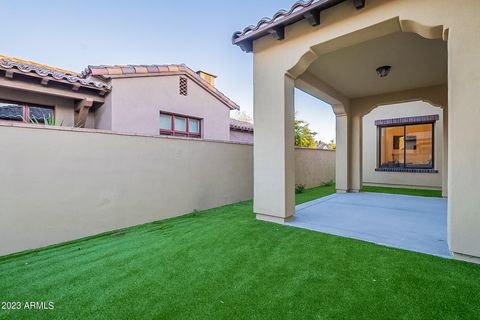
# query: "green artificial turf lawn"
[[224, 264], [410, 192], [314, 193]]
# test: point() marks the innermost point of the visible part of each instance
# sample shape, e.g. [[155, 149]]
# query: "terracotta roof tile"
[[43, 71], [99, 71], [301, 9], [39, 65], [173, 68], [114, 70], [277, 17], [128, 69], [159, 69], [162, 68], [241, 125], [140, 69], [152, 69]]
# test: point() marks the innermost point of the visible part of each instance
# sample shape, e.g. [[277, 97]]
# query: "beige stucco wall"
[[103, 114], [90, 123], [278, 66], [64, 107], [314, 166], [63, 184], [241, 136], [370, 148], [134, 105]]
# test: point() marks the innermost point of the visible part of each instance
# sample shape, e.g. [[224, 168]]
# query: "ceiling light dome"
[[383, 71]]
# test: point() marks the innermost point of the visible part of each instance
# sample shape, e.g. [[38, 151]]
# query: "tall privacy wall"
[[314, 166], [62, 184]]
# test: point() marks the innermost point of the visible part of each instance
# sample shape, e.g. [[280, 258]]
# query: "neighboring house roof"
[[302, 9], [45, 71], [241, 125], [107, 71], [322, 145]]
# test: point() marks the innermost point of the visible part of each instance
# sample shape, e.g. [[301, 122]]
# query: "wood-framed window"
[[22, 112], [408, 147], [180, 125]]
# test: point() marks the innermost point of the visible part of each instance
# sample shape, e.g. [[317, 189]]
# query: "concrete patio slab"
[[399, 221]]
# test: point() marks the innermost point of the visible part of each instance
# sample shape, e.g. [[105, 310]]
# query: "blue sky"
[[72, 35]]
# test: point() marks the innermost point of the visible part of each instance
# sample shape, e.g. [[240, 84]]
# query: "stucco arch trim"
[[373, 31], [436, 96], [300, 71]]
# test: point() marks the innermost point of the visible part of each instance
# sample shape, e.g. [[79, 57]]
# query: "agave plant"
[[49, 120]]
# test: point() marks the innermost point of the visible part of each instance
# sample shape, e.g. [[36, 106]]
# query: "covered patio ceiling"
[[416, 62]]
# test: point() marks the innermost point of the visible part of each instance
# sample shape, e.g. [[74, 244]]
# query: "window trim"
[[186, 133], [405, 167], [26, 111]]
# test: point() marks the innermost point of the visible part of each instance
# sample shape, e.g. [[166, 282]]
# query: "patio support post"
[[463, 146], [445, 153], [274, 162], [341, 152], [355, 154]]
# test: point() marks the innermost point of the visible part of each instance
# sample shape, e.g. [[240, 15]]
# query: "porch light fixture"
[[383, 71]]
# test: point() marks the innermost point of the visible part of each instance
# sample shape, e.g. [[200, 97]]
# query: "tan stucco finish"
[[60, 184], [64, 107], [314, 166], [370, 147], [281, 65], [63, 184]]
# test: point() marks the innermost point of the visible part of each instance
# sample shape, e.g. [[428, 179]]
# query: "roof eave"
[[309, 10], [12, 67]]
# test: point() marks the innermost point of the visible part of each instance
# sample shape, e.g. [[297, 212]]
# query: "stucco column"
[[274, 162], [445, 153], [463, 141], [355, 154], [341, 153]]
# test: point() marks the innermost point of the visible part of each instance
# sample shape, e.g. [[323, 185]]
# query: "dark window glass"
[[39, 114], [391, 147], [419, 145], [11, 111], [409, 146]]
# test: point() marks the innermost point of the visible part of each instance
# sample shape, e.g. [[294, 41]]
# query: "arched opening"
[[375, 109], [314, 142], [348, 79], [336, 61]]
